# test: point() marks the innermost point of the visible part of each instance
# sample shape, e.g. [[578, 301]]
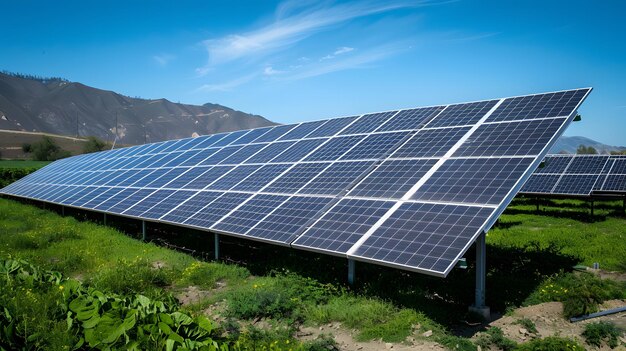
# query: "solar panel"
[[408, 188], [579, 175]]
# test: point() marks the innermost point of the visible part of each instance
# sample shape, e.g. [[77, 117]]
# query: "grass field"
[[23, 164], [270, 284]]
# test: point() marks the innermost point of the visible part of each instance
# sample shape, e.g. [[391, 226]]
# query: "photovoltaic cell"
[[208, 177], [368, 123], [250, 213], [243, 154], [296, 178], [148, 202], [410, 119], [430, 143], [233, 177], [283, 224], [343, 225], [575, 184], [554, 165], [510, 139], [586, 165], [218, 208], [331, 127], [297, 151], [615, 182], [167, 204], [334, 148], [335, 179], [429, 236], [392, 179], [474, 181], [260, 178], [186, 209], [269, 152], [541, 183], [275, 133], [462, 114], [302, 130], [561, 104], [375, 146]]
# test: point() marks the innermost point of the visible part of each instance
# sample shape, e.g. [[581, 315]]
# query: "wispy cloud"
[[340, 51], [228, 85], [361, 60], [270, 71], [163, 59], [293, 22]]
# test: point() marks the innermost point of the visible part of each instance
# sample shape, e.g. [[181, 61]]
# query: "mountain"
[[568, 145], [62, 107]]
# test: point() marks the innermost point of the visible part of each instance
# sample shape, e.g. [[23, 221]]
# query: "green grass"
[[566, 225], [276, 287], [23, 164]]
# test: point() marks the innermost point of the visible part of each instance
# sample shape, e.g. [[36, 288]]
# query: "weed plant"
[[597, 333]]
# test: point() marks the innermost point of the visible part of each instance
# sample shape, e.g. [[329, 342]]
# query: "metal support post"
[[217, 246], [63, 211], [481, 274], [104, 218], [537, 202], [351, 272], [143, 230]]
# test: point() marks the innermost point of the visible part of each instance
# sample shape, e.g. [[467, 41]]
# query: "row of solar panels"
[[579, 175], [410, 188]]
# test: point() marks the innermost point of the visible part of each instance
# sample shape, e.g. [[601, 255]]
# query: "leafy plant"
[[580, 293], [596, 333], [551, 343], [494, 336]]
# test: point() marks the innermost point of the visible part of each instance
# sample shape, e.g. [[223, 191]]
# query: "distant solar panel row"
[[409, 188], [579, 175]]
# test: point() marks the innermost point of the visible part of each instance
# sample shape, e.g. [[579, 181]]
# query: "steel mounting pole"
[[143, 230], [479, 306], [217, 246], [104, 218], [351, 271]]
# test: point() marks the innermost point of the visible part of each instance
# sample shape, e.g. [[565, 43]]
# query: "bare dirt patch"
[[345, 340], [549, 321]]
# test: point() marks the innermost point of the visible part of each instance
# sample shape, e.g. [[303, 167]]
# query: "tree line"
[[48, 150]]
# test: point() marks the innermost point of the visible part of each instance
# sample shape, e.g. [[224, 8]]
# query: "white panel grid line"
[[284, 172], [423, 180]]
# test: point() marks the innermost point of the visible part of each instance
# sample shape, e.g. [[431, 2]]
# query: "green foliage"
[[92, 318], [580, 293], [207, 274], [596, 333], [93, 144], [324, 342], [373, 318], [10, 175], [138, 276], [495, 337], [47, 150], [528, 325], [281, 296], [551, 343], [27, 148], [456, 343], [586, 150]]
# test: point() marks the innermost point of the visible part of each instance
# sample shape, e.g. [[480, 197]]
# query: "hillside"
[[61, 107], [568, 145]]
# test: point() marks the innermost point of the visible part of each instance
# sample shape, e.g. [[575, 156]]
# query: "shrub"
[[494, 336], [48, 150], [597, 332], [580, 293], [10, 175], [93, 144], [551, 343]]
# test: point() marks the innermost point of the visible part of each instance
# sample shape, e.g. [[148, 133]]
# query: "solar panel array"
[[408, 188], [579, 175]]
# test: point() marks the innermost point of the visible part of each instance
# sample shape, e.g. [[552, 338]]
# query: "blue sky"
[[293, 61]]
